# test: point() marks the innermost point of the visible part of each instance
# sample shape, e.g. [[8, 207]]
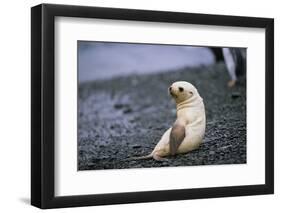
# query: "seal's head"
[[182, 91]]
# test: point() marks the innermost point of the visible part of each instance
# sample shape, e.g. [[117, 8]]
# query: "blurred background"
[[104, 60]]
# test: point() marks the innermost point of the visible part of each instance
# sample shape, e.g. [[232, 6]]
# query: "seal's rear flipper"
[[141, 157], [158, 158], [151, 155]]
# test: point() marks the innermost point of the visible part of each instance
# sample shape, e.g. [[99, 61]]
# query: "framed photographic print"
[[140, 106]]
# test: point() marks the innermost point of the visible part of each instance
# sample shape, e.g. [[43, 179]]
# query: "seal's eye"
[[180, 89]]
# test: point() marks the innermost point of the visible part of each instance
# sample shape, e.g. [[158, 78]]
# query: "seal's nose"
[[170, 88]]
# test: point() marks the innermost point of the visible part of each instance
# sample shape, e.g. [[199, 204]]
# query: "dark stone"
[[235, 95], [120, 105], [128, 110], [136, 146]]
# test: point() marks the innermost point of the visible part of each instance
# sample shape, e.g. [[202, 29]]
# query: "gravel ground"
[[126, 116]]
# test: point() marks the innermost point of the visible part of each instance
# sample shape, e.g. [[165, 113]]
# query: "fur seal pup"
[[188, 131]]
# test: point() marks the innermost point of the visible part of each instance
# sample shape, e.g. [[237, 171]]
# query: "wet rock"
[[120, 105], [128, 110], [136, 146], [105, 157], [210, 139], [235, 95], [165, 163], [212, 152]]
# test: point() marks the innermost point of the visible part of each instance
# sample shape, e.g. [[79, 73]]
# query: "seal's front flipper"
[[176, 137]]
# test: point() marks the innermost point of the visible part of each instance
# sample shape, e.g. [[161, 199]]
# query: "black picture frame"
[[43, 102]]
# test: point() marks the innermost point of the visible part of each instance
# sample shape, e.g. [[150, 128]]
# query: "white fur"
[[191, 114]]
